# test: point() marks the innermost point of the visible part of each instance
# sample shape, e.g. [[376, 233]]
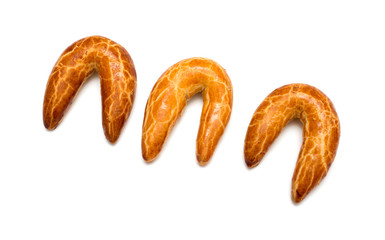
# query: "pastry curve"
[[321, 131], [169, 98], [117, 77]]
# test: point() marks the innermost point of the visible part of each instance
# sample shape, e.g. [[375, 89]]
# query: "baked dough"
[[169, 97], [321, 131], [117, 77]]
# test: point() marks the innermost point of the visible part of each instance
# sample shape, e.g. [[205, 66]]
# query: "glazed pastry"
[[321, 131], [117, 77], [169, 97]]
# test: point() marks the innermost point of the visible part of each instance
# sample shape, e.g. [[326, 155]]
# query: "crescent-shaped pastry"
[[321, 131], [169, 97], [117, 77]]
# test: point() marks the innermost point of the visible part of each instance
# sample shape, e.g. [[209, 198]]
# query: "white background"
[[71, 183]]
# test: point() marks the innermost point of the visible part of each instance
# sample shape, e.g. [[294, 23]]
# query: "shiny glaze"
[[117, 77], [321, 131], [169, 97]]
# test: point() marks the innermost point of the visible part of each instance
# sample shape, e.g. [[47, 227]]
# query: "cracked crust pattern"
[[117, 77], [321, 131], [169, 98]]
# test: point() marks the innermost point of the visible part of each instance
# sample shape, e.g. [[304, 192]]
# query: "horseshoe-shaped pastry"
[[169, 97], [321, 131], [117, 77]]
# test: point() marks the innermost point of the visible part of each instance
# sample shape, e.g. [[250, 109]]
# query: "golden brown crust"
[[117, 76], [321, 131], [169, 97]]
